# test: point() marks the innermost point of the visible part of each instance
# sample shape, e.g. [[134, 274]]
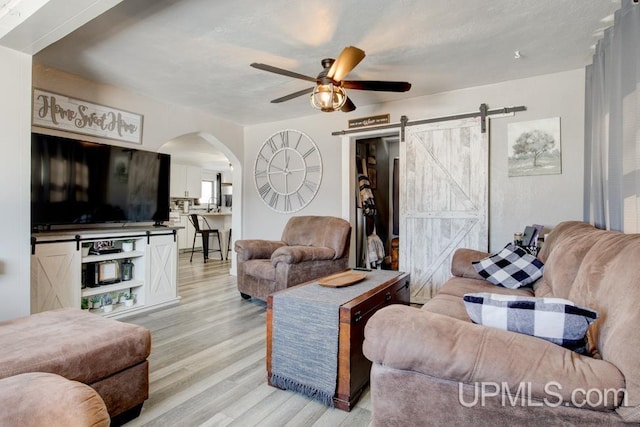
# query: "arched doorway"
[[204, 150]]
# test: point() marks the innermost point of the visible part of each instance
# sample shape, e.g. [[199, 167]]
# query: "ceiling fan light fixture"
[[328, 97]]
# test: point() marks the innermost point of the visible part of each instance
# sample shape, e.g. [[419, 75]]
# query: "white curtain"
[[612, 126]]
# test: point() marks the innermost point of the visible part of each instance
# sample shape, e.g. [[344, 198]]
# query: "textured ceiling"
[[197, 52]]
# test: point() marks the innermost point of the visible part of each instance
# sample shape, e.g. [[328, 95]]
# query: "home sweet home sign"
[[55, 111]]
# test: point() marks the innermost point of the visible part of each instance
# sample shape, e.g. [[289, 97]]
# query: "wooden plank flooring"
[[207, 363]]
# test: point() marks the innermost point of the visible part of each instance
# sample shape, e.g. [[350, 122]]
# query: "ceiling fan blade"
[[292, 95], [272, 69], [377, 85], [347, 61], [348, 106]]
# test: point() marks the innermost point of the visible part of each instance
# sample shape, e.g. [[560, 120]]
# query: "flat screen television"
[[77, 182]]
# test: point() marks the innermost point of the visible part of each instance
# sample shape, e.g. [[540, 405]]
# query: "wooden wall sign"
[[55, 111], [381, 119]]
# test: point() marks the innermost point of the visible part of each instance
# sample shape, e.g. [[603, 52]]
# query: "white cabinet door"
[[55, 276], [162, 274], [194, 182], [186, 181], [183, 239], [178, 184]]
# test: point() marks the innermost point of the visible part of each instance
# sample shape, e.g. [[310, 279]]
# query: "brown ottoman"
[[108, 355], [41, 399]]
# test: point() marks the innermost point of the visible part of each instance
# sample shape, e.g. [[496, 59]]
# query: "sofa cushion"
[[40, 398], [512, 267], [325, 231], [566, 254], [260, 268], [553, 319], [459, 287], [78, 345]]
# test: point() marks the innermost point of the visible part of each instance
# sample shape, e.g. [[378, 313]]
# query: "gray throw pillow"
[[553, 319]]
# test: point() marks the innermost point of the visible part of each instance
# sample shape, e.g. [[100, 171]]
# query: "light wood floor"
[[207, 363]]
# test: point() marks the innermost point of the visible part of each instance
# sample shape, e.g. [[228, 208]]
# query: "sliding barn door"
[[444, 202]]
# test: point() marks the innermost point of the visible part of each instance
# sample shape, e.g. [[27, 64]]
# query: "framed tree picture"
[[534, 147]]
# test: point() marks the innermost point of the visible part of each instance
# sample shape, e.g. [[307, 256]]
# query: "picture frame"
[[534, 147]]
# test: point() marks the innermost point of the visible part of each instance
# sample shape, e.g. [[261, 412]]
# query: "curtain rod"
[[404, 121]]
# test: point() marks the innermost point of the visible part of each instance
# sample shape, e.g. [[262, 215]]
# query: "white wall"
[[15, 179], [162, 121], [514, 202]]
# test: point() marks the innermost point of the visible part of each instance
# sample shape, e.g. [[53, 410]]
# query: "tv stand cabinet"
[[65, 275]]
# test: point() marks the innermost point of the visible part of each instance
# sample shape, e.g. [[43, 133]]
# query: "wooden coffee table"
[[353, 367]]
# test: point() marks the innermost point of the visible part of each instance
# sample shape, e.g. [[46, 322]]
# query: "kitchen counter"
[[205, 213], [220, 221]]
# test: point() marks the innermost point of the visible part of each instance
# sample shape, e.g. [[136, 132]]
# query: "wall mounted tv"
[[76, 182]]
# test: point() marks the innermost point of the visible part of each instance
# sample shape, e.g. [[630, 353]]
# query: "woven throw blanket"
[[304, 351]]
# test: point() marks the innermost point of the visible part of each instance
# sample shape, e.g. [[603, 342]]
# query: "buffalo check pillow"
[[553, 319], [512, 267]]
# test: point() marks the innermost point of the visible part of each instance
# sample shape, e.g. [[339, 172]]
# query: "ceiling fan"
[[329, 92]]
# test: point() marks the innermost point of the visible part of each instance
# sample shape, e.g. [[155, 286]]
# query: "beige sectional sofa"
[[433, 366]]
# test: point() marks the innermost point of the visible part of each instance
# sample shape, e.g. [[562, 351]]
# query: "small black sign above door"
[[381, 119]]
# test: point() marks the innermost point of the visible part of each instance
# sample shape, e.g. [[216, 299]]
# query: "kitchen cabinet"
[[185, 235], [186, 181]]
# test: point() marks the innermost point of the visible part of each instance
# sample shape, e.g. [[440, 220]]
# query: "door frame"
[[348, 182]]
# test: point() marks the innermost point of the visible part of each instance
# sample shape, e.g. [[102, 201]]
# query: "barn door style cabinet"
[[108, 272]]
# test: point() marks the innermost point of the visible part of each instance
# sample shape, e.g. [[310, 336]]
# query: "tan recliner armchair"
[[311, 247]]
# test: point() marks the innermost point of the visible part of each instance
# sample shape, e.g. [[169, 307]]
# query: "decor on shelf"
[[129, 299], [288, 171], [534, 147], [127, 245], [95, 302], [126, 270], [107, 303], [328, 94], [86, 247]]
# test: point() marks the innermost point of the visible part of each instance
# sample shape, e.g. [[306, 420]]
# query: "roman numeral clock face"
[[288, 171]]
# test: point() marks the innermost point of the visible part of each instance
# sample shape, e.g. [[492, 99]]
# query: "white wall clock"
[[288, 171]]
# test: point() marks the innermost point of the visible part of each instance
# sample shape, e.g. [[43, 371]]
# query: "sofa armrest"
[[439, 346], [461, 263], [256, 248], [296, 254], [40, 398]]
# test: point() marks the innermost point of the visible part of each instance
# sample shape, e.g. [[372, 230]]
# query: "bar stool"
[[228, 246], [206, 234]]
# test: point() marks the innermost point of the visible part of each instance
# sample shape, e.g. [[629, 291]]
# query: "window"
[[207, 193]]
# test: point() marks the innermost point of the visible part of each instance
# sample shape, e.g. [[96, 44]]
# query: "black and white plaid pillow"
[[553, 319], [512, 267]]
